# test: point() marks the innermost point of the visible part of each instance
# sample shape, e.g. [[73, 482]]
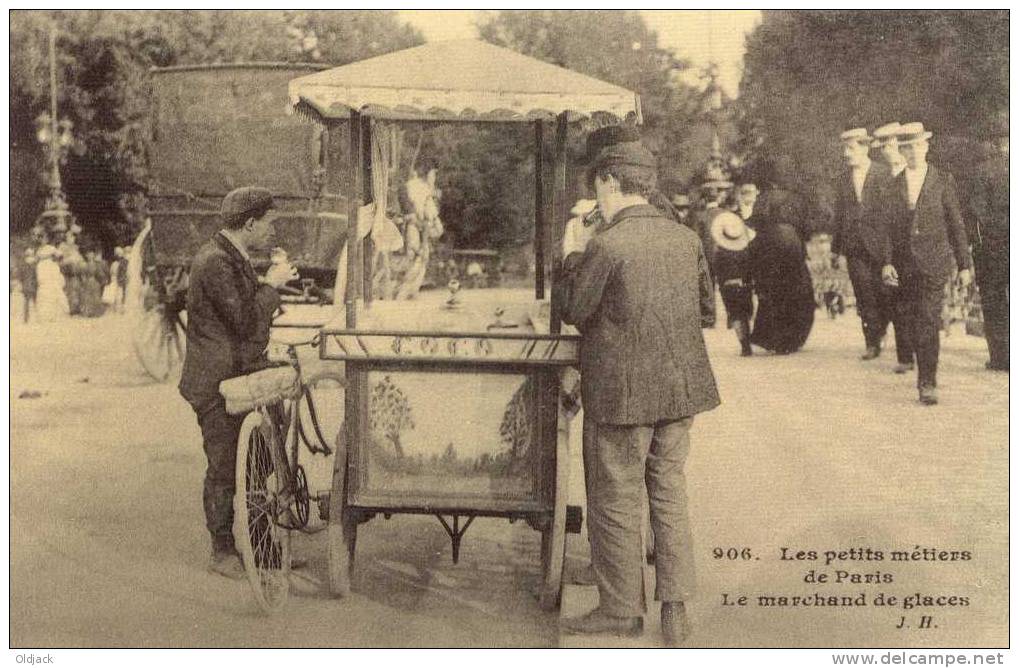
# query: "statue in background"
[[419, 199]]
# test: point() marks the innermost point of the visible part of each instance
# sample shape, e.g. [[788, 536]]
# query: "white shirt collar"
[[864, 167]]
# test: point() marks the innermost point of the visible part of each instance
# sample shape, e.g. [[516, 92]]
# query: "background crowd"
[[58, 279]]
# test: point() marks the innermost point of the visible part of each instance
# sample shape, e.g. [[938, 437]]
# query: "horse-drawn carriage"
[[214, 128]]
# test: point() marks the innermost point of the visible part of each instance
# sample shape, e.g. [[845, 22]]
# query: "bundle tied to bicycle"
[[261, 388]]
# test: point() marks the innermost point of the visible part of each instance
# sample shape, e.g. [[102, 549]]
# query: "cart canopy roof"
[[466, 80]]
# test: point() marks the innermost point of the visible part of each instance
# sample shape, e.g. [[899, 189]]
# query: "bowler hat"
[[607, 136], [242, 203]]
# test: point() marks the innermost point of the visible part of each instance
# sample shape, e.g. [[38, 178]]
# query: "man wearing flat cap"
[[927, 233], [229, 313], [635, 294], [862, 238]]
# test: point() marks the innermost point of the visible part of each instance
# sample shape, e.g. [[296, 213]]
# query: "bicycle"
[[272, 498]]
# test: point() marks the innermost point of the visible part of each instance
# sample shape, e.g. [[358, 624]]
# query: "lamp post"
[[56, 138]]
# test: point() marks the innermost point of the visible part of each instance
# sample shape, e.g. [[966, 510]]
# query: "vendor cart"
[[453, 407]]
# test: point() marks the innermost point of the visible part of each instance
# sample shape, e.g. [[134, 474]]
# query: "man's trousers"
[[219, 439], [619, 461], [876, 305], [920, 301], [992, 281]]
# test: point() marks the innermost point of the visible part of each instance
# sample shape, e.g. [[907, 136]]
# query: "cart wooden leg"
[[342, 532], [555, 535]]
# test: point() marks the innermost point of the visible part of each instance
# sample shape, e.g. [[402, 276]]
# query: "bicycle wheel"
[[263, 543], [158, 343]]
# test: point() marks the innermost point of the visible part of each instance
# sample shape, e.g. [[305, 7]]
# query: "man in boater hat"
[[862, 237], [634, 293], [886, 142], [927, 233]]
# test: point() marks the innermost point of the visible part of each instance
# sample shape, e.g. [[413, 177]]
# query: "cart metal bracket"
[[456, 532]]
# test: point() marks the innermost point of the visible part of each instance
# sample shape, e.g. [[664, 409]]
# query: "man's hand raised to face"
[[280, 274]]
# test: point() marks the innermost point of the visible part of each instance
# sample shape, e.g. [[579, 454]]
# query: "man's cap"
[[607, 136], [241, 203], [680, 201], [630, 153], [856, 135], [910, 133]]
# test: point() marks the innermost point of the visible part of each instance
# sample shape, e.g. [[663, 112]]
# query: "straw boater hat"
[[681, 201], [856, 135], [730, 232], [910, 133], [45, 251], [886, 133]]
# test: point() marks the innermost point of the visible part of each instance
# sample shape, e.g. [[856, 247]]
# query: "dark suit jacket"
[[229, 314], [635, 295], [988, 215], [861, 227], [926, 238]]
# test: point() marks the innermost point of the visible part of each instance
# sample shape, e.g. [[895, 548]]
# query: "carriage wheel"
[[264, 545], [158, 343], [553, 538], [341, 534]]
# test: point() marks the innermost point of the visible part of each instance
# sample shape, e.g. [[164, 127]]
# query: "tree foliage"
[[488, 188], [809, 75], [103, 59]]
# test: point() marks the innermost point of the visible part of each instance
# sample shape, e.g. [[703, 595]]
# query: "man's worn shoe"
[[928, 395], [904, 367], [227, 564], [597, 622], [873, 352], [675, 624]]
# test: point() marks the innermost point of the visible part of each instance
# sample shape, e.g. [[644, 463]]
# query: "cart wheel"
[[342, 532], [553, 538], [158, 343], [264, 545]]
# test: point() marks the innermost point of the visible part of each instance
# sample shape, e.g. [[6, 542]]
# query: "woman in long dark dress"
[[778, 267]]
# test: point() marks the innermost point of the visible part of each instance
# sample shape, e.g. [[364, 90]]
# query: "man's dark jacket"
[[862, 227], [229, 314], [635, 295], [926, 238], [988, 211]]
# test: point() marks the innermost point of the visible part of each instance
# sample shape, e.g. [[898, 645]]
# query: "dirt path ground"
[[811, 451]]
